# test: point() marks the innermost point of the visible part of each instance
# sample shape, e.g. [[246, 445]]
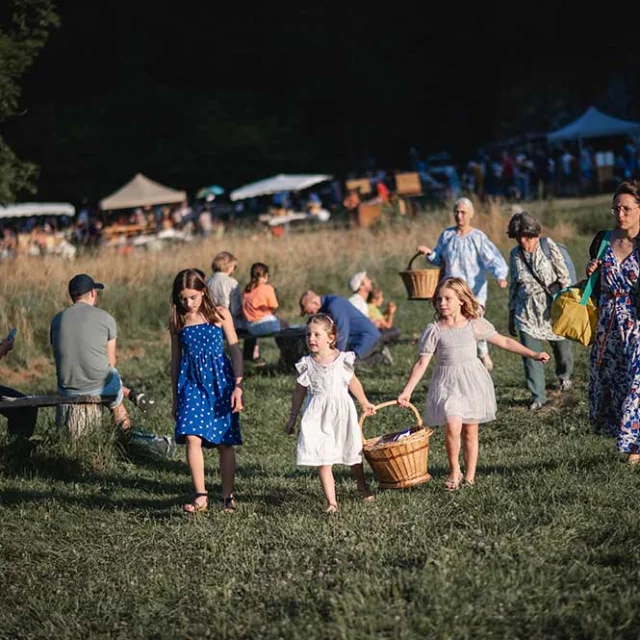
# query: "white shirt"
[[359, 303]]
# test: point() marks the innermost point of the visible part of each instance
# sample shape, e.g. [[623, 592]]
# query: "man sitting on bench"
[[84, 347]]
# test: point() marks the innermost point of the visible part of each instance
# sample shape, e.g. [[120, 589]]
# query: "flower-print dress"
[[614, 370], [460, 385], [205, 384], [329, 430]]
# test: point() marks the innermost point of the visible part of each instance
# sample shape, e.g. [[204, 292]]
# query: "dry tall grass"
[[32, 290]]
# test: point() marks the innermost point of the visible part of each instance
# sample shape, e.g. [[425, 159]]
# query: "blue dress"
[[614, 380], [205, 385]]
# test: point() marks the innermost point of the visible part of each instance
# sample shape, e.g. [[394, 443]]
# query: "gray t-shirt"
[[79, 337], [225, 292]]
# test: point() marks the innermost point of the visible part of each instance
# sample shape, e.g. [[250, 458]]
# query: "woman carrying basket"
[[466, 252], [461, 393], [329, 431]]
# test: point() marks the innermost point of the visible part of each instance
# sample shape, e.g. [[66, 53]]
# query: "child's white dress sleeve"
[[429, 340], [348, 368], [482, 329], [302, 367]]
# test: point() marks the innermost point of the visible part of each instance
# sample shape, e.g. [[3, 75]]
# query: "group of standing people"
[[538, 269]]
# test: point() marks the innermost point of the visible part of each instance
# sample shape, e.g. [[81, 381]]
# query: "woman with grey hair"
[[466, 252], [537, 270]]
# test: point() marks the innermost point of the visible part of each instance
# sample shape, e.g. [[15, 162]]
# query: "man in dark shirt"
[[356, 332]]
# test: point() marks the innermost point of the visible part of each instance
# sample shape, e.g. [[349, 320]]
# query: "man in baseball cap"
[[84, 347], [81, 284], [360, 286]]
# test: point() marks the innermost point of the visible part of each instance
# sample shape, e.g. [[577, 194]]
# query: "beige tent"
[[141, 192]]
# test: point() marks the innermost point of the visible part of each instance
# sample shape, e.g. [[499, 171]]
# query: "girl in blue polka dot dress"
[[207, 388]]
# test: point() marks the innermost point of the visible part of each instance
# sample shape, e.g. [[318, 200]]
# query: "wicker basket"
[[401, 463], [420, 283]]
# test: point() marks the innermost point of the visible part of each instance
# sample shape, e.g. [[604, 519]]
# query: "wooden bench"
[[291, 342], [77, 414]]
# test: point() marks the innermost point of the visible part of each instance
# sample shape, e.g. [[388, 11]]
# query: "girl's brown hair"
[[258, 270], [191, 279], [327, 323], [469, 309]]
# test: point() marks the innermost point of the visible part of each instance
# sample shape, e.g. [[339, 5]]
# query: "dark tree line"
[[192, 96]]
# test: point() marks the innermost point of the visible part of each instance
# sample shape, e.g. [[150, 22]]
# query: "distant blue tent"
[[594, 124]]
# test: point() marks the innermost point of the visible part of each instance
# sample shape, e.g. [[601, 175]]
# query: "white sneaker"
[[387, 358], [487, 362], [565, 385]]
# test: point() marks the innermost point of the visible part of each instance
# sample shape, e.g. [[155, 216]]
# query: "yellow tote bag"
[[572, 319], [573, 313]]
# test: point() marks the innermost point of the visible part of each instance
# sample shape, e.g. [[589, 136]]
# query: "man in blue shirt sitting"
[[356, 332]]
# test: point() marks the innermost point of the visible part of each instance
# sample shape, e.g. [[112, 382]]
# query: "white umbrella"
[[275, 184]]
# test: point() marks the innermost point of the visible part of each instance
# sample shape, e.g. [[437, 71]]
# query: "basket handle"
[[411, 262], [389, 403]]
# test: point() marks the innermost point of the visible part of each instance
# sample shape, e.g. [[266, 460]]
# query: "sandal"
[[196, 507], [229, 504], [143, 402], [366, 495], [452, 483]]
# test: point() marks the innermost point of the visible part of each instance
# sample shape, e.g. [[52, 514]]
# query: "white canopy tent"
[[141, 192], [275, 184], [27, 209], [593, 123]]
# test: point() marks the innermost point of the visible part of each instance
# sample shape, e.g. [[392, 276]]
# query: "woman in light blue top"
[[466, 252]]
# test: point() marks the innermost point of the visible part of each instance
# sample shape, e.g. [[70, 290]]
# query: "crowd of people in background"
[[514, 173]]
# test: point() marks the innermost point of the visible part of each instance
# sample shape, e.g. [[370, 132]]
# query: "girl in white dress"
[[329, 430], [461, 393]]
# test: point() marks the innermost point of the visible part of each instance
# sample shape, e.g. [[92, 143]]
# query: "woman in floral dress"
[[614, 367]]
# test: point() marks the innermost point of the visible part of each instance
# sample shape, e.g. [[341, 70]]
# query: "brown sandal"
[[229, 504], [453, 483], [197, 507], [367, 495]]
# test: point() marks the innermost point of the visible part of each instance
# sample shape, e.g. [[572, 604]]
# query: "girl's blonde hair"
[[191, 279], [327, 323], [469, 305], [258, 270]]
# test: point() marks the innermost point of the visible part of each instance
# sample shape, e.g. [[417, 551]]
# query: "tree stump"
[[79, 419]]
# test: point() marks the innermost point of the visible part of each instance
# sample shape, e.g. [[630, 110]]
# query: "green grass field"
[[93, 543]]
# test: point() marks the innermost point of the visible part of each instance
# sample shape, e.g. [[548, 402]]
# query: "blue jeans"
[[263, 327], [112, 387]]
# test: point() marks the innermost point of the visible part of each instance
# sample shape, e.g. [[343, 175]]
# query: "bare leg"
[[195, 460], [452, 433], [227, 469], [470, 451], [121, 417], [358, 473], [633, 459], [329, 487]]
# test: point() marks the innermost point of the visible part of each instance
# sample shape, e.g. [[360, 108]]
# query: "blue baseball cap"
[[81, 284]]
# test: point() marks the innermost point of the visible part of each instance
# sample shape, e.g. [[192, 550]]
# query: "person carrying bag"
[[574, 314]]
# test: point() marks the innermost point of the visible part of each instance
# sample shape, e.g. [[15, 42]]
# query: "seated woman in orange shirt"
[[259, 303]]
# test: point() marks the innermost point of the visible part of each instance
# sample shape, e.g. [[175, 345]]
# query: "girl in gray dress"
[[461, 394]]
